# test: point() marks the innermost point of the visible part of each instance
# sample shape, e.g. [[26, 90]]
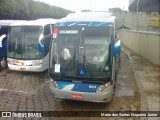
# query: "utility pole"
[[123, 17], [137, 12]]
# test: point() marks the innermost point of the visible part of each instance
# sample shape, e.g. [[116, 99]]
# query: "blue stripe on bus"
[[62, 24], [90, 24], [78, 87], [72, 23], [94, 24]]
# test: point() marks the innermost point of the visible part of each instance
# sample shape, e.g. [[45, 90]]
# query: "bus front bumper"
[[104, 96], [38, 68]]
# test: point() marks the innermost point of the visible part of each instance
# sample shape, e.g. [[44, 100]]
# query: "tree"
[[29, 9]]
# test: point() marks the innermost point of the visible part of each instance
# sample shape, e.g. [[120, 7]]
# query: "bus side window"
[[47, 30]]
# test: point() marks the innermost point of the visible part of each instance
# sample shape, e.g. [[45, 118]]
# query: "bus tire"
[[3, 63]]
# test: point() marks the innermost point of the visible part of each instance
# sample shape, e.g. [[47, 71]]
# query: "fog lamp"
[[54, 83], [102, 87]]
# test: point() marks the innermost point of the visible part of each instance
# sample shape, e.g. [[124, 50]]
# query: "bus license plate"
[[22, 69], [77, 96]]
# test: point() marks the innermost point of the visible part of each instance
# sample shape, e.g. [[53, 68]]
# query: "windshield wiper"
[[15, 53], [18, 49], [85, 62]]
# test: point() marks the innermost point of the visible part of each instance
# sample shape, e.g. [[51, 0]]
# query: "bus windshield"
[[24, 42], [86, 54]]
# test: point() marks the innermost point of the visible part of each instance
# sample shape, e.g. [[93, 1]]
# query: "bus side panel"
[[45, 62], [3, 49]]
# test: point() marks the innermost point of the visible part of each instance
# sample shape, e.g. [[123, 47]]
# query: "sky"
[[95, 5]]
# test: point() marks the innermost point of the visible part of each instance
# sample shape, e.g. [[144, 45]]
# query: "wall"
[[136, 21], [146, 44]]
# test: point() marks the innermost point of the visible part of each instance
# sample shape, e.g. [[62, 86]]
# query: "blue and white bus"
[[28, 45], [82, 57]]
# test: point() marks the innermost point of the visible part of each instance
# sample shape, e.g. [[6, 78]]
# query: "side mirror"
[[117, 47], [1, 39], [41, 46], [41, 49], [44, 44]]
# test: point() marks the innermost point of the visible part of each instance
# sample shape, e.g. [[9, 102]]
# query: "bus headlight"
[[36, 63], [102, 87], [10, 61], [54, 83]]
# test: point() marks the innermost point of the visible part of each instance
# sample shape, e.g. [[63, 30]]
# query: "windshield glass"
[[85, 55], [24, 42]]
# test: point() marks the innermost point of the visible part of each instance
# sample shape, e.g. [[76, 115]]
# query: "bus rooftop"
[[89, 16]]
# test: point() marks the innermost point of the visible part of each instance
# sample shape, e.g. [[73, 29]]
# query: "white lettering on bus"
[[68, 31]]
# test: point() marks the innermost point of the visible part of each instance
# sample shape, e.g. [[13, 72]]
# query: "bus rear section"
[[4, 28], [3, 51], [82, 60], [28, 45]]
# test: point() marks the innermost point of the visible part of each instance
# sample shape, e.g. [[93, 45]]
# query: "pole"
[[123, 17], [137, 13]]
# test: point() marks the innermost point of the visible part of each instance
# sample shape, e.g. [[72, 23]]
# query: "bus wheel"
[[3, 63]]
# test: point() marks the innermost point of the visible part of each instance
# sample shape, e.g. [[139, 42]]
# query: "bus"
[[83, 52], [28, 45], [4, 28]]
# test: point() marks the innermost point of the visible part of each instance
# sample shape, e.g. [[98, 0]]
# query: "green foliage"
[[29, 9], [7, 7]]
